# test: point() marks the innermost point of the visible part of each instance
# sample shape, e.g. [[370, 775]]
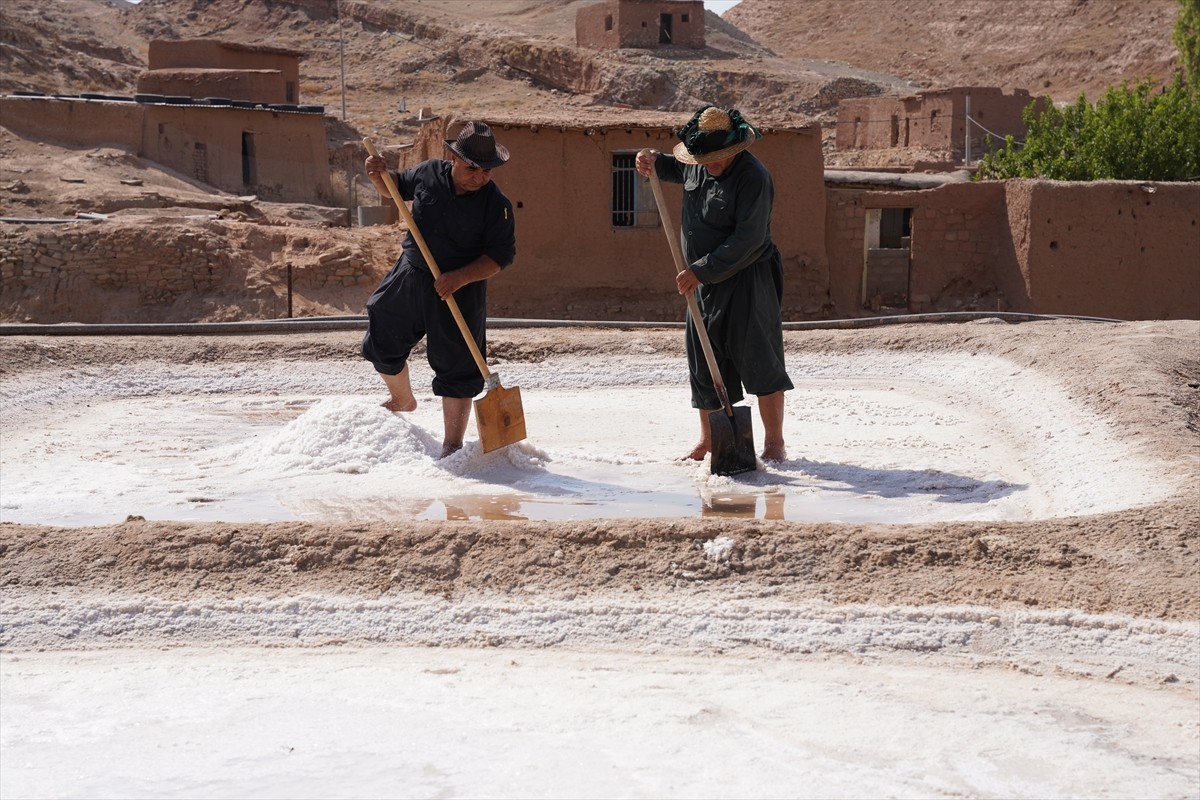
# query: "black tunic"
[[458, 229]]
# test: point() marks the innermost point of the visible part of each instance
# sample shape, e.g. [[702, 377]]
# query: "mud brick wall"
[[959, 239], [958, 244], [1119, 249], [105, 271], [573, 263]]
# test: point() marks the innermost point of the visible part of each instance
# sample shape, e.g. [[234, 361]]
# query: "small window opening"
[[633, 203]]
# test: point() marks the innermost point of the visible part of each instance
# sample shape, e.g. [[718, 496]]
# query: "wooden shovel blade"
[[500, 418], [732, 442]]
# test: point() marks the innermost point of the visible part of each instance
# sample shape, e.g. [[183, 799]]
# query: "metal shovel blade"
[[499, 418], [732, 442]]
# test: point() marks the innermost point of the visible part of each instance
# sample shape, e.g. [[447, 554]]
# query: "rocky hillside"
[[383, 60]]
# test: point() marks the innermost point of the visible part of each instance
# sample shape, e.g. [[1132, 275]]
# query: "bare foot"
[[698, 453], [449, 449], [400, 393], [398, 406], [774, 452]]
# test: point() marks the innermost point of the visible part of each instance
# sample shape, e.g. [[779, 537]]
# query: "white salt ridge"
[[1152, 651]]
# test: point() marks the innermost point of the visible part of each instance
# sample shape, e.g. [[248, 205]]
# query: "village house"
[[229, 125], [590, 245], [613, 24], [589, 241], [936, 119], [210, 68], [914, 243]]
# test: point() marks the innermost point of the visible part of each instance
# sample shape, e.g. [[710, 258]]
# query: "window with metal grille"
[[632, 200]]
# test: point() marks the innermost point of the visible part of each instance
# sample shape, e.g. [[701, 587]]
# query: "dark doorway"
[[249, 168], [664, 29], [887, 270], [895, 226]]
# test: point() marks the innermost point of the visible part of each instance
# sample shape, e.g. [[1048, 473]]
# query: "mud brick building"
[[614, 24], [201, 68], [934, 120]]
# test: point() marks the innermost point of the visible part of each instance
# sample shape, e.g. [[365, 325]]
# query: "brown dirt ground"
[[1144, 377]]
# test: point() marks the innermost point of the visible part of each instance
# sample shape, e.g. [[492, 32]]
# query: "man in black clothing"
[[468, 225], [733, 262]]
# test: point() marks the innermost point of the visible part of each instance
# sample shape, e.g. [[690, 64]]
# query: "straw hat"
[[476, 145], [714, 134]]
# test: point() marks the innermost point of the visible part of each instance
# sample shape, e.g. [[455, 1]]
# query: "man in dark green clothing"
[[733, 265]]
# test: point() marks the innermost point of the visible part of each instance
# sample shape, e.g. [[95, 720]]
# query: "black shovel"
[[732, 433]]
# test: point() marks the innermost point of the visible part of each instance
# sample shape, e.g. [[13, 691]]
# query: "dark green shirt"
[[726, 223]]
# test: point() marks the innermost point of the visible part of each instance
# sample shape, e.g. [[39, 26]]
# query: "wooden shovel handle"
[[693, 307], [432, 264]]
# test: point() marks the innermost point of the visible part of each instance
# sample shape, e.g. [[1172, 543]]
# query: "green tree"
[[1138, 133], [1186, 36]]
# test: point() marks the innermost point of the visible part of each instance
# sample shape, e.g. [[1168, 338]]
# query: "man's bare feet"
[[449, 449], [770, 408], [396, 406], [400, 392], [774, 452], [705, 444]]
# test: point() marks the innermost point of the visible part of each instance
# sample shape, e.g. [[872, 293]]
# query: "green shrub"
[[1138, 133]]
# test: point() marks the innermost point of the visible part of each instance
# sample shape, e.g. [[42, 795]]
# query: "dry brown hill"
[[1055, 47]]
